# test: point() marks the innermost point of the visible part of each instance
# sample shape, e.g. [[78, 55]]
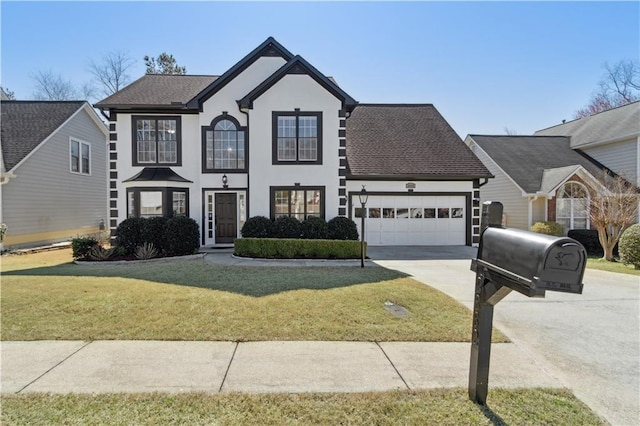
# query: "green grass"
[[605, 265], [429, 407], [45, 297]]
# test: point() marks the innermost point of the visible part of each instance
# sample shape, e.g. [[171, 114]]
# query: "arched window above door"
[[572, 206], [223, 146]]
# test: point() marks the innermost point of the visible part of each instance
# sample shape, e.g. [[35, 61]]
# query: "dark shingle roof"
[[25, 124], [407, 141], [158, 90], [525, 158]]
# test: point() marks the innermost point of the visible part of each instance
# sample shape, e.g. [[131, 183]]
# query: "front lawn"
[[605, 265], [428, 407], [45, 297]]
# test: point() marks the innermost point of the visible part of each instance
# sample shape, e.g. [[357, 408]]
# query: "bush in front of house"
[[257, 227], [152, 231], [80, 247], [342, 228], [314, 228], [181, 236], [629, 246], [548, 228], [289, 248], [129, 234], [286, 227], [589, 239]]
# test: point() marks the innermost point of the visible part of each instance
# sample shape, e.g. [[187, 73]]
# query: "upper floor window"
[[572, 206], [297, 137], [80, 155], [156, 140], [224, 146]]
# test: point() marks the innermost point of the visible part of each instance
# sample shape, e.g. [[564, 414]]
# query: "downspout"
[[247, 160]]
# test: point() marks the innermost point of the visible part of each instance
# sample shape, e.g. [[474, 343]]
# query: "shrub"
[[257, 227], [289, 248], [629, 246], [80, 247], [146, 251], [181, 236], [286, 227], [342, 228], [589, 239], [152, 231], [314, 228], [548, 228], [129, 234], [99, 253]]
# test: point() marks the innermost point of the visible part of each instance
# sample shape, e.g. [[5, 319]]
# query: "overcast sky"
[[486, 66]]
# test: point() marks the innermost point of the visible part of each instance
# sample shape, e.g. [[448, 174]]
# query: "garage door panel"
[[414, 220]]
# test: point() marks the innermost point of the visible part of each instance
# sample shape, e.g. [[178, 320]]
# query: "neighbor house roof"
[[536, 163], [608, 126], [158, 90], [26, 124], [409, 141]]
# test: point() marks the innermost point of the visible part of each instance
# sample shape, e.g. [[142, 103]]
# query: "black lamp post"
[[364, 197]]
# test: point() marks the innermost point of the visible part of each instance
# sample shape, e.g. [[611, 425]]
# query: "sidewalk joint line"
[[394, 367], [224, 379], [55, 366]]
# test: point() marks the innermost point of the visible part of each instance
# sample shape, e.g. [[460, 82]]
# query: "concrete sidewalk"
[[147, 366]]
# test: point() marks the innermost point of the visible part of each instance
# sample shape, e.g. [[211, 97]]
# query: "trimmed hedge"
[[181, 236], [589, 239], [257, 227], [281, 248], [314, 228], [342, 228], [152, 231], [286, 227], [129, 234]]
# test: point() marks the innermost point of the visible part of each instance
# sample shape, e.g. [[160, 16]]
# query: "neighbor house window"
[[298, 202], [80, 153], [156, 140], [153, 202], [224, 146], [297, 137], [572, 206]]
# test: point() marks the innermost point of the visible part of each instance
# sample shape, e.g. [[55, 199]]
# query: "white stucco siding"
[[225, 99], [291, 92], [620, 157], [501, 188]]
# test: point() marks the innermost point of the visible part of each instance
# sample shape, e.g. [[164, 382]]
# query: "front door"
[[226, 223]]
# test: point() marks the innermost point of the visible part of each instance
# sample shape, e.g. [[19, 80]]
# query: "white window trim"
[[587, 207], [80, 143]]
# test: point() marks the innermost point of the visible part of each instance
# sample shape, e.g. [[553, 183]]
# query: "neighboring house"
[[273, 136], [54, 171], [611, 137]]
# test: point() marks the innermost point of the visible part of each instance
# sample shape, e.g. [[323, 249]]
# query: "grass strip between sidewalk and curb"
[[435, 406]]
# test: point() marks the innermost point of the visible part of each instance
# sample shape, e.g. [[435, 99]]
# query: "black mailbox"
[[511, 259], [531, 263]]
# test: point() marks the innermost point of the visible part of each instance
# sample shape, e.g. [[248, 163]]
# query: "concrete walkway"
[[148, 366]]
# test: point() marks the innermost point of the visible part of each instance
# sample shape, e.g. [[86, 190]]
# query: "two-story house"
[[274, 136]]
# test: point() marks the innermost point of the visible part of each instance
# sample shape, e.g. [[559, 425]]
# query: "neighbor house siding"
[[620, 157], [45, 202], [502, 189]]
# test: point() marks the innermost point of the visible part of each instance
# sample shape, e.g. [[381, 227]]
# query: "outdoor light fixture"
[[225, 181], [364, 197]]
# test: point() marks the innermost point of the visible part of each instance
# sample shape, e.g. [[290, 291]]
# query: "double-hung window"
[[298, 201], [297, 137], [224, 146], [80, 157], [156, 140]]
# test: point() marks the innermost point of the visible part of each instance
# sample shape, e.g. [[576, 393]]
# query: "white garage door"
[[413, 220]]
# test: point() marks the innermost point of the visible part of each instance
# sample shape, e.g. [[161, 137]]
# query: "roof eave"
[[418, 177]]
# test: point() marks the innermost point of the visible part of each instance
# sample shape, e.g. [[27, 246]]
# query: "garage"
[[413, 220]]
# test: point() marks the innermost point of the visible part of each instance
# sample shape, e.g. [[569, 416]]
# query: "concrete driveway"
[[589, 342]]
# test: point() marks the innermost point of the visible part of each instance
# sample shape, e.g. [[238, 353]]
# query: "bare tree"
[[7, 94], [52, 87], [612, 209], [111, 71], [510, 132], [164, 64], [620, 85]]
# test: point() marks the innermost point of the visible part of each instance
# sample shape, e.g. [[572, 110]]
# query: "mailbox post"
[[511, 259]]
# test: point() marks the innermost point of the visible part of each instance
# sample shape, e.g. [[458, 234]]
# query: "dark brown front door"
[[226, 222]]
